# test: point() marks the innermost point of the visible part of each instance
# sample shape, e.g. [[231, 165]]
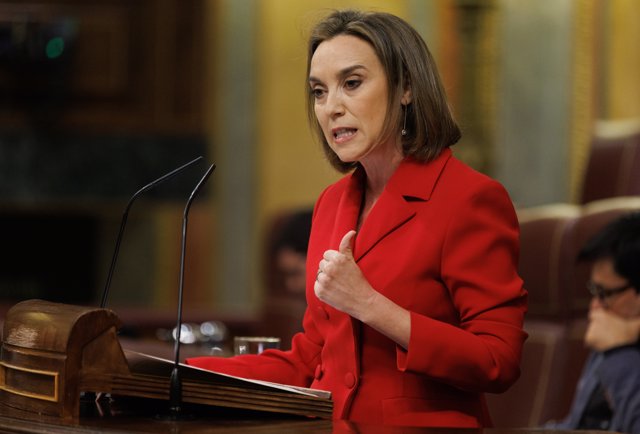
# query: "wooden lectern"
[[53, 352]]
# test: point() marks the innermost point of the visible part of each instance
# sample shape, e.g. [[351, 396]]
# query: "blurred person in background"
[[290, 252], [285, 299], [607, 396]]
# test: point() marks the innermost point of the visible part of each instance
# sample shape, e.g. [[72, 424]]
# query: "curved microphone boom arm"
[[123, 222]]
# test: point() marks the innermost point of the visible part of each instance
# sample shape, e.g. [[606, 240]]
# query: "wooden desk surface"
[[141, 417]]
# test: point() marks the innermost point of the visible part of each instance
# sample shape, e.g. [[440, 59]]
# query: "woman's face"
[[349, 86]]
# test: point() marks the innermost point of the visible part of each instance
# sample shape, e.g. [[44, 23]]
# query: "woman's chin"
[[347, 158]]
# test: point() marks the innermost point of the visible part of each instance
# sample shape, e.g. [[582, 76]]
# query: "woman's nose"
[[335, 104]]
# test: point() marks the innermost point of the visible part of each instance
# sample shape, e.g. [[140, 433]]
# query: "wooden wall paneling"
[[135, 66]]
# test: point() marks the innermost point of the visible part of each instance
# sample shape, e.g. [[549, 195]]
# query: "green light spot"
[[55, 47]]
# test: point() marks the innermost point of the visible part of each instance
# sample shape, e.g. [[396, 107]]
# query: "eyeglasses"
[[603, 293]]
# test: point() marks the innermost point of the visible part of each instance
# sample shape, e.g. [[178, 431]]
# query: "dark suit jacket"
[[442, 242], [618, 371]]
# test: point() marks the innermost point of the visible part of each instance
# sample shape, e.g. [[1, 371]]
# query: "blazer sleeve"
[[294, 367], [479, 268]]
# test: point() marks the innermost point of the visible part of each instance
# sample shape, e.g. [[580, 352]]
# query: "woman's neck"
[[378, 169], [378, 172]]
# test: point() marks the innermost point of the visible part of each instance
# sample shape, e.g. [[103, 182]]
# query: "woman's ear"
[[406, 97]]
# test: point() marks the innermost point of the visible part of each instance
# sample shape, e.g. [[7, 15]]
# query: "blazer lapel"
[[389, 213], [412, 182], [348, 208]]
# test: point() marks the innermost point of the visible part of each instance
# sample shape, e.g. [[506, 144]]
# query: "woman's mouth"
[[342, 134]]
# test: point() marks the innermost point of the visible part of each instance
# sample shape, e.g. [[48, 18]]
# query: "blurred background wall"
[[99, 97]]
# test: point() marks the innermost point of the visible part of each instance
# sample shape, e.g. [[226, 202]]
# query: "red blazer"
[[441, 241]]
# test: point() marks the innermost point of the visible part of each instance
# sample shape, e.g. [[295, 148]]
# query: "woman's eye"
[[317, 93], [352, 84]]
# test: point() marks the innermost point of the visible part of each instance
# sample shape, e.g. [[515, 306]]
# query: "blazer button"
[[318, 373], [349, 380]]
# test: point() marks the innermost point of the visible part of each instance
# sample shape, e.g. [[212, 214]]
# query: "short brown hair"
[[408, 64]]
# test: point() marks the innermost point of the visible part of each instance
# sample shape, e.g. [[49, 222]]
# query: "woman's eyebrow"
[[340, 74], [349, 70]]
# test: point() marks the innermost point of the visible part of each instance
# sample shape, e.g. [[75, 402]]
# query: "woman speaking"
[[415, 307]]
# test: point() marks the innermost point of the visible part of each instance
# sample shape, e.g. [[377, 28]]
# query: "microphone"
[[175, 391], [123, 222]]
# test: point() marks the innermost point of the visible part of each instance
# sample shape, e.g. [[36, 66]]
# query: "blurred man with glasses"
[[608, 393]]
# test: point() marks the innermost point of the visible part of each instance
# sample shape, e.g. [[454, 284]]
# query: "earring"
[[404, 124]]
